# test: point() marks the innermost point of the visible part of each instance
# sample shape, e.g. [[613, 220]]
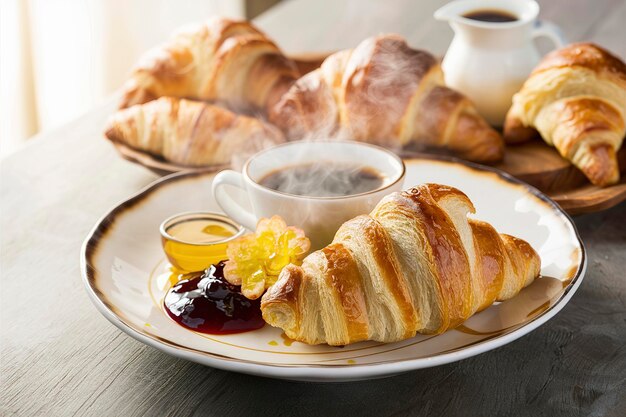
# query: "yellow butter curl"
[[255, 260]]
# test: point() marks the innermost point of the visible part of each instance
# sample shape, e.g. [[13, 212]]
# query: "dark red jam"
[[208, 303]]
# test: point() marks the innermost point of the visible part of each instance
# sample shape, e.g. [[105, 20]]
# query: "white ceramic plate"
[[125, 273]]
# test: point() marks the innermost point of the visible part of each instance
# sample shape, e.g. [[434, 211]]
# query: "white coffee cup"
[[319, 217]]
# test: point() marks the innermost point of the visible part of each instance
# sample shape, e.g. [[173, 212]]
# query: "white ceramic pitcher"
[[488, 61]]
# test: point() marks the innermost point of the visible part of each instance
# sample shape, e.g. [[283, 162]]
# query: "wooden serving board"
[[542, 167], [535, 163]]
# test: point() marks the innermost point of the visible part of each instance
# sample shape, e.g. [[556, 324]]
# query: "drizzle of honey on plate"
[[286, 340]]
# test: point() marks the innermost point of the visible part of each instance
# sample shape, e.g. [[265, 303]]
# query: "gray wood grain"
[[60, 357]]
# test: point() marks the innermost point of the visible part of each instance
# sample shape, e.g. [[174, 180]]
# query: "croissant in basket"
[[190, 132], [223, 60], [417, 263], [384, 92], [576, 100]]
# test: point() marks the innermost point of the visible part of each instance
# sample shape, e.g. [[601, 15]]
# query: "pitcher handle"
[[227, 203], [549, 30]]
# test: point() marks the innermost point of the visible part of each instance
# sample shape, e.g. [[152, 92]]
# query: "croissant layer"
[[190, 132], [222, 60], [386, 93], [576, 100], [416, 263]]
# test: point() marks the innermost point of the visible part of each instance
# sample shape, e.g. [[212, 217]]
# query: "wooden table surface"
[[60, 357]]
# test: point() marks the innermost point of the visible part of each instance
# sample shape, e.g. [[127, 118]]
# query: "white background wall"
[[59, 58]]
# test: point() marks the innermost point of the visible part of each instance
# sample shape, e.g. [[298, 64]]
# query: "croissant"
[[222, 60], [190, 132], [576, 100], [417, 263], [386, 93]]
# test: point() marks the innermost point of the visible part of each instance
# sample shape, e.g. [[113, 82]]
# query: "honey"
[[194, 241]]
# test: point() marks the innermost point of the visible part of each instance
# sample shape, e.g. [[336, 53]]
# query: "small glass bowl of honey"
[[195, 241]]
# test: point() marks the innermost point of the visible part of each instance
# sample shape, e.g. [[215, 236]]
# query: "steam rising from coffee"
[[324, 180], [364, 95]]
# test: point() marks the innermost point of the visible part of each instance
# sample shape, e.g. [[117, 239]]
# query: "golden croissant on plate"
[[223, 60], [576, 100], [190, 132], [387, 93], [417, 263]]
